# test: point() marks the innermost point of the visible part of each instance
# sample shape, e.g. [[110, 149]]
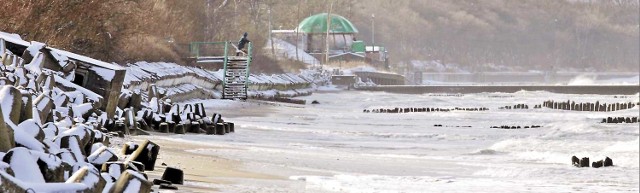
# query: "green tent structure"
[[318, 24], [342, 34]]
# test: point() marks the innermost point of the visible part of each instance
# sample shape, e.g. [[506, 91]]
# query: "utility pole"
[[273, 49], [373, 30], [326, 55], [297, 32]]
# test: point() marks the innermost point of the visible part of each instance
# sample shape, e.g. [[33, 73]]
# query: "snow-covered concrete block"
[[32, 128], [146, 153], [67, 156], [84, 135], [200, 111], [11, 103], [83, 110], [51, 166], [61, 100], [33, 50], [136, 166], [90, 178], [95, 147], [7, 140], [23, 165], [123, 100], [128, 148], [143, 125], [3, 47], [135, 101], [152, 92], [72, 143], [119, 126], [11, 184], [131, 181], [27, 107], [44, 106], [7, 59], [114, 169], [130, 118], [101, 156]]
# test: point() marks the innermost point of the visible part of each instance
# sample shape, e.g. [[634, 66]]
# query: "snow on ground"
[[288, 50], [335, 147]]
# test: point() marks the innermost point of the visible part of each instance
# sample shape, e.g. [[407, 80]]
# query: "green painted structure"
[[318, 24], [236, 65], [358, 47]]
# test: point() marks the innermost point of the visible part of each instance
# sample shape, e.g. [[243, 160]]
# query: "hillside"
[[530, 34]]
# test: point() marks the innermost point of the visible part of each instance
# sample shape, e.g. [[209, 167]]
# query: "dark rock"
[[315, 102]]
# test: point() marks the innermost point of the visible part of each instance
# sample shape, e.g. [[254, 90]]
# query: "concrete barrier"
[[133, 179]]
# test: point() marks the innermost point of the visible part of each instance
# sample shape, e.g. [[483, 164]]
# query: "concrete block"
[[131, 180]]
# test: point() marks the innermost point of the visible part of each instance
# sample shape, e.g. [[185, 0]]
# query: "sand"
[[202, 173], [196, 167]]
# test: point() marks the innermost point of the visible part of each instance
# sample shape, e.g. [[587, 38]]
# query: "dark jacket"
[[243, 41]]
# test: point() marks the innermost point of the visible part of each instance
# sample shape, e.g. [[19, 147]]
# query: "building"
[[311, 38]]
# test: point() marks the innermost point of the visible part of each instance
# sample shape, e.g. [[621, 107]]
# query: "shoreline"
[[207, 172], [204, 169]]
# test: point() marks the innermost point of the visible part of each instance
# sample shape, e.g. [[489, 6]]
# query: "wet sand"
[[202, 173], [197, 168]]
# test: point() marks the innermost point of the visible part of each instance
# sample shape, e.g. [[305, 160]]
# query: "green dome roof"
[[318, 24]]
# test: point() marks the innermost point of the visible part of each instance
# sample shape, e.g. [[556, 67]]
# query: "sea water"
[[335, 147]]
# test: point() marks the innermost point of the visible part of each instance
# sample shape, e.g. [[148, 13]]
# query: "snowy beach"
[[335, 147]]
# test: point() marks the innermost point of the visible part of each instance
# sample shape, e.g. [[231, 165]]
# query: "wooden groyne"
[[564, 89]]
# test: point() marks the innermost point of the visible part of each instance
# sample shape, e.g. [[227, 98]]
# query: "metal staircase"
[[236, 77], [236, 66]]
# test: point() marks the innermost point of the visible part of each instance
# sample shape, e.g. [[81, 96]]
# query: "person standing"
[[241, 44]]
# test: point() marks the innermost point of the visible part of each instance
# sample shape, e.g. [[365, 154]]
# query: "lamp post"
[[373, 30], [326, 45]]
